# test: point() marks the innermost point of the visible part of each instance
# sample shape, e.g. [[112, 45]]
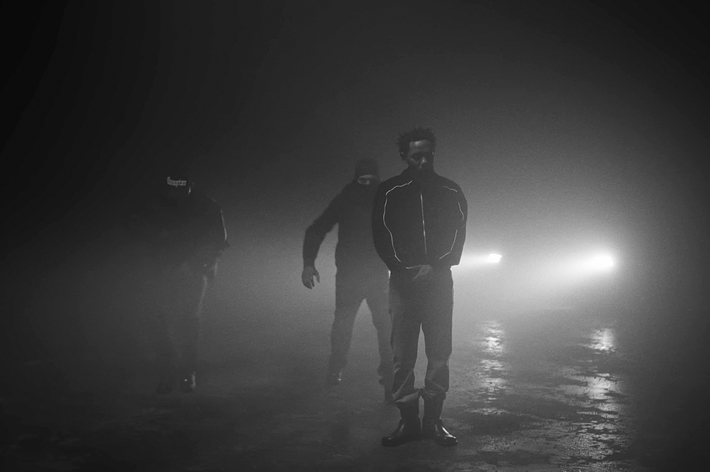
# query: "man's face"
[[420, 156]]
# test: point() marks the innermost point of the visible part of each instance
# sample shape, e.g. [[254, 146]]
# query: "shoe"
[[187, 383], [334, 378], [408, 430], [434, 429], [166, 384]]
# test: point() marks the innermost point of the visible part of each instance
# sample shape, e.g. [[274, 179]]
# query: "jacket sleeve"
[[381, 236], [211, 243], [215, 238], [318, 229], [220, 231], [454, 257]]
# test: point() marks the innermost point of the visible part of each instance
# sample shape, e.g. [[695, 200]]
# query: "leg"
[[194, 287], [378, 304], [437, 326], [166, 355], [164, 309], [348, 298], [405, 339]]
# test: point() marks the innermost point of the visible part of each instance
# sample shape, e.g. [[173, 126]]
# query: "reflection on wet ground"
[[546, 392]]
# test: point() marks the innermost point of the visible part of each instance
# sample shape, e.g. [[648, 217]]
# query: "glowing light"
[[590, 265], [603, 261], [603, 340], [493, 258], [469, 260]]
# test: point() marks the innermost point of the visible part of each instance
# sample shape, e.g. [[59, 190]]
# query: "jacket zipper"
[[421, 200]]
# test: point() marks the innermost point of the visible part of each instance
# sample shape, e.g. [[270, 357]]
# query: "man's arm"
[[213, 243], [217, 238], [381, 236], [314, 237], [454, 257]]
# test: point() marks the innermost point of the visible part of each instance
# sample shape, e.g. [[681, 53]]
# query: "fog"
[[556, 138], [570, 129]]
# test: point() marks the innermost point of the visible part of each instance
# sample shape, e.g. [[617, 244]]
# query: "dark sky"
[[560, 120]]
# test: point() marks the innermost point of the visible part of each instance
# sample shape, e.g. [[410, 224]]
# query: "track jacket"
[[419, 220]]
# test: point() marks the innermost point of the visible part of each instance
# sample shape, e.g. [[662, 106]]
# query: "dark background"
[[562, 121]]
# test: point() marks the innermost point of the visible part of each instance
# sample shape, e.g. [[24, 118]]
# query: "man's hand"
[[425, 273], [309, 272]]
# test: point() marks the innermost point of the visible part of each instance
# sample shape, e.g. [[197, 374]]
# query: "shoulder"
[[393, 182], [448, 183], [204, 202], [340, 197], [347, 190]]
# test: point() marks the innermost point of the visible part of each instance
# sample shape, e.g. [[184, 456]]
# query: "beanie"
[[367, 166]]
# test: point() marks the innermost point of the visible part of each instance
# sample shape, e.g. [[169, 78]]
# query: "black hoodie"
[[351, 210]]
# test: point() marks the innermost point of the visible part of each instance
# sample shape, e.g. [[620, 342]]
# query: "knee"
[[345, 313]]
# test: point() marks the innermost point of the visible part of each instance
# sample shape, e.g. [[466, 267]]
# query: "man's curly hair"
[[416, 134]]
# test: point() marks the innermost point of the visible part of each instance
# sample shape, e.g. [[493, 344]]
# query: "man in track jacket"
[[419, 228]]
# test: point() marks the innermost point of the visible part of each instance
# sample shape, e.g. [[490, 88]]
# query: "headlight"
[[603, 261], [472, 260], [493, 258]]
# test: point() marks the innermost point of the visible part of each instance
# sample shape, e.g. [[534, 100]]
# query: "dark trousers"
[[427, 306], [351, 288], [180, 294]]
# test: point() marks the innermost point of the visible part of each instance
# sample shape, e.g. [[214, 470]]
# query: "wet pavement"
[[546, 391]]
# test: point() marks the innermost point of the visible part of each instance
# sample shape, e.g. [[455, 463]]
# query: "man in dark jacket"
[[360, 275], [419, 228], [186, 234]]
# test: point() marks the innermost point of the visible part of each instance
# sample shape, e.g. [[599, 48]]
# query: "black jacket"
[[419, 221], [351, 210], [192, 233]]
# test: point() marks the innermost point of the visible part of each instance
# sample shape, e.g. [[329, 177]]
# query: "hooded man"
[[186, 233], [360, 274]]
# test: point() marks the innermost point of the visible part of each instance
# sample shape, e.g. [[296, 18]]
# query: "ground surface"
[[542, 392]]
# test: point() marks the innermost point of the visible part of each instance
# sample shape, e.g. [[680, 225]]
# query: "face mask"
[[366, 180]]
